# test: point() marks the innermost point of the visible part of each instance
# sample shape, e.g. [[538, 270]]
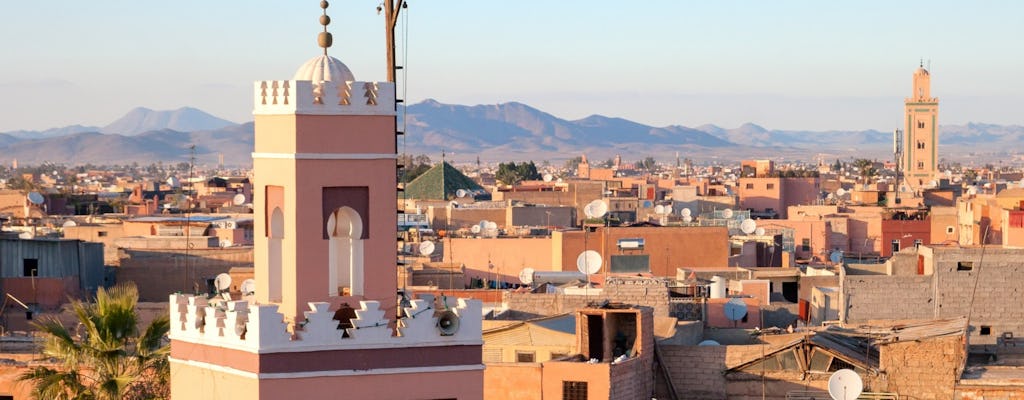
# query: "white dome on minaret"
[[324, 68]]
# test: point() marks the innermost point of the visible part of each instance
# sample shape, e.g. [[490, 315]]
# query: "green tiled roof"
[[439, 183]]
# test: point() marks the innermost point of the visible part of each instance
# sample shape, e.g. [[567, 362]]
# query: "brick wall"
[[924, 369], [998, 302], [696, 371], [878, 297]]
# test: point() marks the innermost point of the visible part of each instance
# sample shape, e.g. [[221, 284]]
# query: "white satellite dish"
[[748, 226], [595, 209], [222, 282], [238, 200], [973, 190], [589, 262], [173, 182], [845, 384], [687, 218], [727, 213], [735, 309], [709, 342], [475, 229], [526, 276], [35, 198], [659, 209], [427, 248], [548, 177], [840, 192], [69, 223], [461, 193], [759, 231], [248, 287], [491, 225], [225, 243], [686, 212]]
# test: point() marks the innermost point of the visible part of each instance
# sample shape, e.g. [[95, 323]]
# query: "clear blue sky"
[[781, 64]]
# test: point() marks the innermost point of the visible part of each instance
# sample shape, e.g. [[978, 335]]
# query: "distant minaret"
[[921, 133]]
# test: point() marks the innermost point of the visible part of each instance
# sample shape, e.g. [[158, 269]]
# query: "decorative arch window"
[[345, 258]]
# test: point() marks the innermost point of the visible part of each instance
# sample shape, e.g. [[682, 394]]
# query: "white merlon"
[[261, 329], [323, 98]]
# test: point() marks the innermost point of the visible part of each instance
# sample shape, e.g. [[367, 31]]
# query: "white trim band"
[[326, 156], [319, 374]]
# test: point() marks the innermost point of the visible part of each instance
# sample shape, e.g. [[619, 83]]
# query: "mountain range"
[[501, 132]]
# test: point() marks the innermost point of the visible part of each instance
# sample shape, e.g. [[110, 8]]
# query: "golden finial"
[[324, 39]]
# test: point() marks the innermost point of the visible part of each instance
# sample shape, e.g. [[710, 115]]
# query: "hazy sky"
[[781, 64]]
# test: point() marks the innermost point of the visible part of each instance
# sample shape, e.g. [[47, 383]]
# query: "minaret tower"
[[921, 133], [322, 322]]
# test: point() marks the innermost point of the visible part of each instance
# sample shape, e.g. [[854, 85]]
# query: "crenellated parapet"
[[323, 98], [261, 329]]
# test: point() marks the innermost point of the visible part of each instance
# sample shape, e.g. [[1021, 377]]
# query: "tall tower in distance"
[[921, 133]]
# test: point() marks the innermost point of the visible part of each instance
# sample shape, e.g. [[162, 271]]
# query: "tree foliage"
[[414, 166], [866, 169], [109, 358], [511, 174]]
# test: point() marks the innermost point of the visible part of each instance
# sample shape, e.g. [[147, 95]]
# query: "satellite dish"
[[759, 231], [526, 276], [686, 212], [25, 235], [727, 213], [659, 209], [845, 384], [840, 192], [475, 229], [668, 209], [491, 225], [69, 223], [35, 198], [225, 243], [687, 218], [735, 309], [548, 177], [173, 182], [973, 190], [448, 323], [589, 262], [248, 287], [709, 342], [238, 200], [461, 193], [222, 282], [748, 226], [427, 248], [836, 257], [595, 209]]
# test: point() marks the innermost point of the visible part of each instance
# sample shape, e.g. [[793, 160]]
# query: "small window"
[[895, 246], [949, 229], [556, 356], [920, 165], [101, 233], [920, 124], [572, 390], [985, 330], [920, 145], [918, 243], [805, 244], [771, 186], [525, 356], [750, 186], [30, 267], [965, 266]]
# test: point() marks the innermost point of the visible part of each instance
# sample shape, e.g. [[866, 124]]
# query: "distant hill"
[[499, 132], [185, 119]]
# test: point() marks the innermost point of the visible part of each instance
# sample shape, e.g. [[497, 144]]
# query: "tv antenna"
[[845, 384]]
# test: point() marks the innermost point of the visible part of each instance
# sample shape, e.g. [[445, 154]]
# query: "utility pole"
[[391, 9]]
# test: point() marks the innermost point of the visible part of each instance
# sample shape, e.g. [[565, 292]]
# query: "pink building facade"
[[322, 323]]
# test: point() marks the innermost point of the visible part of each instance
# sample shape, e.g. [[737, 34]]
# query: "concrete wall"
[[669, 248], [158, 273], [644, 292], [696, 371], [508, 255], [878, 297], [513, 381], [998, 302]]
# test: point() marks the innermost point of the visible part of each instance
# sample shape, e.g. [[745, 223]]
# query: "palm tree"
[[866, 168], [111, 359]]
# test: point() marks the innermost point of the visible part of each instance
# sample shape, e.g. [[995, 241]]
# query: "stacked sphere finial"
[[324, 39]]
